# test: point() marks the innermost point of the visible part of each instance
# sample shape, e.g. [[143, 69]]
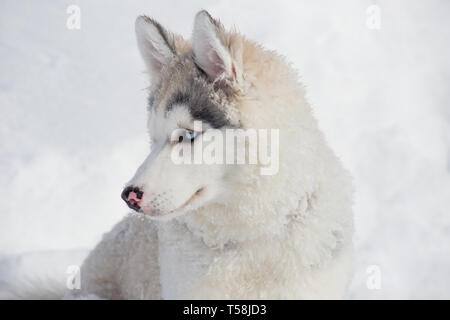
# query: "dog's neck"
[[303, 225], [222, 226]]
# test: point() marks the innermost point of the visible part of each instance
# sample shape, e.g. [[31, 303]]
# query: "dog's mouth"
[[178, 211]]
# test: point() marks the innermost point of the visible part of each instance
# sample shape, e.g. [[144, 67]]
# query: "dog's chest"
[[183, 259]]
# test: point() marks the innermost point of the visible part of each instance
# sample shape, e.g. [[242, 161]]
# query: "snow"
[[72, 123]]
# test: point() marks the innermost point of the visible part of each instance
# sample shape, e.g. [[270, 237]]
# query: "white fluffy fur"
[[273, 237]]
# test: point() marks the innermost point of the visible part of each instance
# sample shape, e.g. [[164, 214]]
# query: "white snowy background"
[[72, 124]]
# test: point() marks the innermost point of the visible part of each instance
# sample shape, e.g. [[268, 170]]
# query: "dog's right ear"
[[155, 44], [215, 52]]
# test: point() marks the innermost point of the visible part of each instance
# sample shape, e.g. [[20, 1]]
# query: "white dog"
[[219, 231]]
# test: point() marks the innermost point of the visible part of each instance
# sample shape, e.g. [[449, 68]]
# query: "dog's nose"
[[133, 197]]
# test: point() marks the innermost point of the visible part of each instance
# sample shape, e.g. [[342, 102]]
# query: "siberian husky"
[[220, 230]]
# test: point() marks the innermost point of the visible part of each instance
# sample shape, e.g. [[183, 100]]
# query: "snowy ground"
[[72, 123]]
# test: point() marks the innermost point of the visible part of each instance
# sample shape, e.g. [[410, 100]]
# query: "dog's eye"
[[191, 135], [187, 135]]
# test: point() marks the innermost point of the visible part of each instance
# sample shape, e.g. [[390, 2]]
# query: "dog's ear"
[[212, 48], [156, 45]]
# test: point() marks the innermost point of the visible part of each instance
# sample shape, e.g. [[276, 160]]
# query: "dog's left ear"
[[214, 51]]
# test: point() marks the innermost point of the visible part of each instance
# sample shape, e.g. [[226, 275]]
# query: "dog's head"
[[192, 83]]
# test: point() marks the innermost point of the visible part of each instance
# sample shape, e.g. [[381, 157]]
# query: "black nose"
[[132, 197]]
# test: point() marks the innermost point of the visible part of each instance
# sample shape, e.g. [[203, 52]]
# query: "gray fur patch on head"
[[201, 104], [182, 83]]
